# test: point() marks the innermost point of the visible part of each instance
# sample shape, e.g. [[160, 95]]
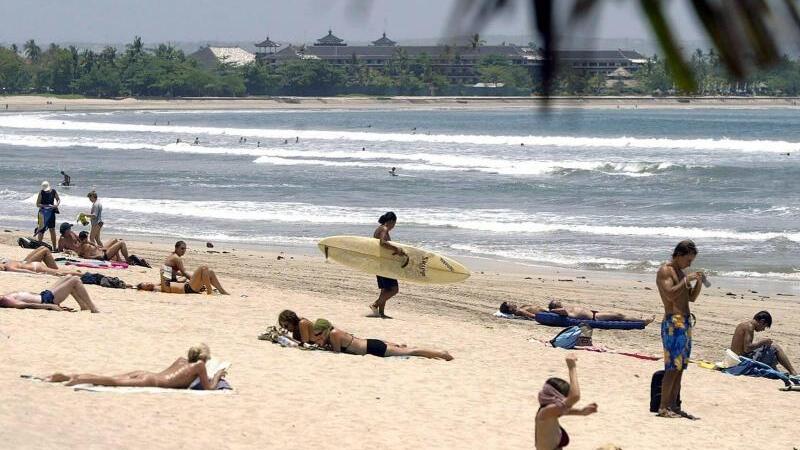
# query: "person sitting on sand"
[[52, 298], [180, 375], [527, 311], [116, 250], [68, 242], [764, 351], [338, 341], [38, 261], [202, 279], [557, 399], [580, 313], [301, 328]]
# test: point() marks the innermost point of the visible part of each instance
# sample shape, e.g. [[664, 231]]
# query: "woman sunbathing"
[[38, 261], [555, 400], [52, 298], [203, 278], [341, 341], [179, 375], [301, 328]]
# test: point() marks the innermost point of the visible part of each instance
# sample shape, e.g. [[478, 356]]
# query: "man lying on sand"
[[38, 261], [52, 298], [527, 311], [555, 400], [341, 341], [580, 313], [179, 375], [764, 351], [203, 278], [116, 250]]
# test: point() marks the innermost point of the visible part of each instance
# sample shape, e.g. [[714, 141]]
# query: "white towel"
[[146, 390], [509, 316]]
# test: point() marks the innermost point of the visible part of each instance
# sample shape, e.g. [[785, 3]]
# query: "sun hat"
[[45, 186]]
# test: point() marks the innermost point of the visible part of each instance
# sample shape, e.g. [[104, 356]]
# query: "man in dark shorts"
[[764, 351], [388, 286], [676, 329]]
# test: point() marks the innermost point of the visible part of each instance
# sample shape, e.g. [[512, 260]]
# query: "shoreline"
[[39, 103]]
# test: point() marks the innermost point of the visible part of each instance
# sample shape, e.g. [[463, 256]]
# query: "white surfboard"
[[367, 255]]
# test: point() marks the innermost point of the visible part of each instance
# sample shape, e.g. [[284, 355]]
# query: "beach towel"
[[95, 263], [751, 368], [509, 316], [556, 320]]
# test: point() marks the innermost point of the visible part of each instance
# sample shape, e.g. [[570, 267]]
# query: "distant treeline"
[[166, 72]]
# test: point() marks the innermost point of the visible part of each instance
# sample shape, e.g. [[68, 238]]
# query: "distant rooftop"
[[384, 42], [330, 40]]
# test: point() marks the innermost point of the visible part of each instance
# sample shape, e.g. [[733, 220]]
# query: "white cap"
[[45, 186]]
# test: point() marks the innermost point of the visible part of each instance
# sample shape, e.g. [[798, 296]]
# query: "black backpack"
[[33, 244], [655, 392]]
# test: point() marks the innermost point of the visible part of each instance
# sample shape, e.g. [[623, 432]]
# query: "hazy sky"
[[115, 21]]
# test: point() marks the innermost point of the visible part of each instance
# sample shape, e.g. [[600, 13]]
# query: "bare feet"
[[684, 414], [374, 310], [666, 413], [447, 356], [57, 378], [650, 320]]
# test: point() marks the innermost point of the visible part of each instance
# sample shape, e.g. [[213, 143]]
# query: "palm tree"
[[32, 51], [476, 42], [15, 49], [741, 31]]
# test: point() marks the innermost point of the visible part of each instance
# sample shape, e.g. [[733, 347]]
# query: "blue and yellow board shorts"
[[676, 336]]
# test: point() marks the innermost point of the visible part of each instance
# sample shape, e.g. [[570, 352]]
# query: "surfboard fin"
[[408, 260]]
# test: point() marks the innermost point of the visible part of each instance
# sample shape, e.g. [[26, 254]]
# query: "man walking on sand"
[[676, 292]]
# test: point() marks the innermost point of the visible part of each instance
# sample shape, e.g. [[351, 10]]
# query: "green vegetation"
[[166, 72]]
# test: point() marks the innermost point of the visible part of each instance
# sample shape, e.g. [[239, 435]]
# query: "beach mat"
[[556, 320]]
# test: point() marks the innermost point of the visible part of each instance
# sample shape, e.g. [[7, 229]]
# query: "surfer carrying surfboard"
[[388, 286]]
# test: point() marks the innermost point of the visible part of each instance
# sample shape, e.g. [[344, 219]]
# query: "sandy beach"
[[286, 398], [46, 103]]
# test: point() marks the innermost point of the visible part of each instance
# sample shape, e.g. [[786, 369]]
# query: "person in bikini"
[[203, 278], [51, 298], [38, 261], [764, 351], [527, 311], [580, 313], [388, 286], [301, 328], [116, 250], [339, 341], [557, 399], [676, 291], [180, 375]]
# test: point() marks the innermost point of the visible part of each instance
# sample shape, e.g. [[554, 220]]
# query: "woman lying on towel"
[[51, 298], [338, 340], [38, 261], [301, 328], [179, 375], [555, 400]]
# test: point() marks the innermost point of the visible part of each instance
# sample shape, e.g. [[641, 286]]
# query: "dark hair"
[[83, 235], [287, 316], [180, 244], [553, 304], [684, 248], [764, 316], [504, 308], [388, 217], [560, 385], [92, 194]]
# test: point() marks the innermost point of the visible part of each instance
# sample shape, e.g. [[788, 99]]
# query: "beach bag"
[[567, 338], [655, 392], [33, 244], [112, 282], [585, 339], [137, 261], [91, 278]]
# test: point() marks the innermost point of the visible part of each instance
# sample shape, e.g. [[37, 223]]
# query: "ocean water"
[[589, 189]]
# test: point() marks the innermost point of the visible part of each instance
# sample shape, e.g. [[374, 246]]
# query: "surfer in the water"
[[388, 286], [393, 172]]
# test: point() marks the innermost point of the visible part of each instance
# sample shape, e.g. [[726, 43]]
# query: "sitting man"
[[526, 311], [52, 298], [764, 351], [112, 252], [580, 313], [68, 242]]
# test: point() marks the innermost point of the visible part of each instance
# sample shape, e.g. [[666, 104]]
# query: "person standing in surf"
[[47, 201], [96, 216], [676, 290], [388, 286]]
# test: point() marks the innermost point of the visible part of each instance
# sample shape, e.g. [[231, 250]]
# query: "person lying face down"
[[325, 335], [581, 313], [301, 328], [527, 311], [557, 399], [763, 350], [51, 298], [180, 375]]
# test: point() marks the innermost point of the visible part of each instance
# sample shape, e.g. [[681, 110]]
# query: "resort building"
[[211, 56]]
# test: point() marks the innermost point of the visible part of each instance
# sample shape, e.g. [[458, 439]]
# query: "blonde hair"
[[199, 353]]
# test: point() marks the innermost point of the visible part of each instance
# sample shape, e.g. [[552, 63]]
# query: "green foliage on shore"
[[164, 71]]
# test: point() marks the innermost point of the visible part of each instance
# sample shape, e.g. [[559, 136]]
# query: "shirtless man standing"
[[676, 292], [180, 375], [764, 351], [51, 298]]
